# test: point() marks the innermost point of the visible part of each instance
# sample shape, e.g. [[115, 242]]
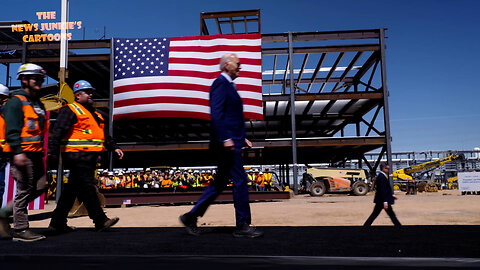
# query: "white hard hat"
[[4, 90], [110, 173], [30, 69]]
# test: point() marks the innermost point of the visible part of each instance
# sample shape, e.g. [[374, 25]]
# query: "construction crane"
[[406, 174]]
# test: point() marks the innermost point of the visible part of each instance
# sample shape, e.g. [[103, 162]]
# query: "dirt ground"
[[439, 208]]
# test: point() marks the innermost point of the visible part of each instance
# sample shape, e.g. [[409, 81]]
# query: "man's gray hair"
[[225, 59]]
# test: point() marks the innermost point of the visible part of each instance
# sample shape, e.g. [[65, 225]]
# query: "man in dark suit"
[[384, 198], [227, 138]]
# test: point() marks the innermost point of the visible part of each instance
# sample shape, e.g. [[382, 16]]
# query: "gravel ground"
[[440, 208]]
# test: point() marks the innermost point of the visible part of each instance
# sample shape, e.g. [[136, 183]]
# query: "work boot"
[[27, 236], [247, 231], [107, 224], [4, 228], [190, 223]]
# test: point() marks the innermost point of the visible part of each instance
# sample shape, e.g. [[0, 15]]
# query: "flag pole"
[[62, 74]]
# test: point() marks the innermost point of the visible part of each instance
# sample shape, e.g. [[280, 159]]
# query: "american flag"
[[11, 190], [171, 77]]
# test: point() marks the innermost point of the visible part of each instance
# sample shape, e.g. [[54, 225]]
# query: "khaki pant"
[[31, 183]]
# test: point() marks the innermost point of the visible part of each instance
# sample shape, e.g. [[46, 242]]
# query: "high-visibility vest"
[[251, 179], [129, 182], [268, 178], [103, 182], [31, 137], [260, 181], [166, 183], [86, 135], [3, 142]]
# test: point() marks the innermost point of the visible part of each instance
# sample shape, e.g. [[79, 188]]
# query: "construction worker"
[[128, 179], [196, 179], [110, 182], [267, 176], [103, 179], [261, 182], [142, 179], [251, 180], [25, 128], [121, 180], [256, 175], [79, 133], [4, 96], [166, 182], [148, 177]]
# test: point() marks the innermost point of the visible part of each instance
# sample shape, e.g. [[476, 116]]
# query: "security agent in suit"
[[384, 198], [227, 138]]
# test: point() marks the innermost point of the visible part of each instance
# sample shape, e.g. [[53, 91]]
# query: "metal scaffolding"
[[325, 97]]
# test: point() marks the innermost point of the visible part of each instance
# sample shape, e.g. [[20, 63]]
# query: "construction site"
[[324, 133]]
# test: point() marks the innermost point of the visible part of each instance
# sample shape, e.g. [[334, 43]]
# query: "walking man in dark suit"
[[384, 197], [227, 138]]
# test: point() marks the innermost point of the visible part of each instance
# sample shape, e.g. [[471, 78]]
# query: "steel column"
[[386, 113], [8, 76], [292, 111], [110, 109]]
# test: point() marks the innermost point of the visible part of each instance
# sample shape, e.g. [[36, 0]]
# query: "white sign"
[[469, 181]]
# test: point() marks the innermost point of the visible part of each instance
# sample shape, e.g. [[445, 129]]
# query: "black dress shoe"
[[247, 231], [190, 224], [55, 230]]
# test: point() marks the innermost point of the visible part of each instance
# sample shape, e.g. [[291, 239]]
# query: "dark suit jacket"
[[226, 112], [384, 192]]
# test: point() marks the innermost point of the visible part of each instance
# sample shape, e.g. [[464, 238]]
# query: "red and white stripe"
[[11, 190], [193, 66]]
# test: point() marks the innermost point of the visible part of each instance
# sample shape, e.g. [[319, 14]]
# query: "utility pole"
[[62, 75]]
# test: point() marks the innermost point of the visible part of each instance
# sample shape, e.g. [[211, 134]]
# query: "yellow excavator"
[[403, 176]]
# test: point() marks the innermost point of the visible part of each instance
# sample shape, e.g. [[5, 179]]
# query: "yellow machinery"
[[317, 181], [404, 175], [54, 102]]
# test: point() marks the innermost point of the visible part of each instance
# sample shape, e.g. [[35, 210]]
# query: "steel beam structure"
[[335, 88]]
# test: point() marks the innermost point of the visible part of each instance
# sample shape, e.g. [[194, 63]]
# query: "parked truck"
[[318, 181]]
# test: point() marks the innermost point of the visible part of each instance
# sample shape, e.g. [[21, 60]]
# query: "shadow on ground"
[[281, 247]]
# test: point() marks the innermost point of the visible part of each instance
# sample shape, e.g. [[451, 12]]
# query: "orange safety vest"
[[3, 142], [31, 138], [86, 135], [260, 181], [128, 183]]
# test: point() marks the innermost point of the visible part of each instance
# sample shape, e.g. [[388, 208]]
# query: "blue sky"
[[432, 49]]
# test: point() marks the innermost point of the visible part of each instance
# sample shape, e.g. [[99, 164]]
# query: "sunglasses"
[[38, 79]]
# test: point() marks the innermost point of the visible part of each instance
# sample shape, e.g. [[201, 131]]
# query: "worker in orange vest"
[[79, 133], [25, 127], [4, 96], [267, 176], [261, 182]]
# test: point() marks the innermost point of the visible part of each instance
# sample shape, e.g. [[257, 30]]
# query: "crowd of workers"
[[176, 179]]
